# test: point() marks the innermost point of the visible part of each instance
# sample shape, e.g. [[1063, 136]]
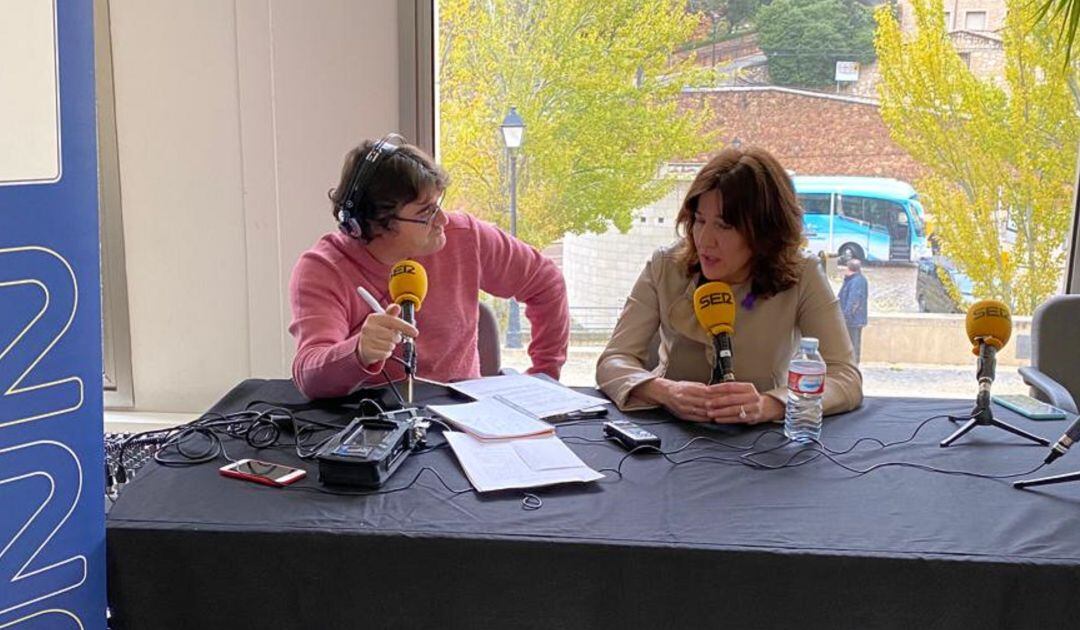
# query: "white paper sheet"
[[533, 395], [492, 419], [523, 463]]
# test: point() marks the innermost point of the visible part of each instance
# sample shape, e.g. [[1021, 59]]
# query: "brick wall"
[[810, 133]]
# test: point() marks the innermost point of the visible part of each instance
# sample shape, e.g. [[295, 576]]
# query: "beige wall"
[[932, 339], [957, 11], [232, 118]]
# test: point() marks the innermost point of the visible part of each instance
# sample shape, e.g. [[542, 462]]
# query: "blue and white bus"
[[869, 218]]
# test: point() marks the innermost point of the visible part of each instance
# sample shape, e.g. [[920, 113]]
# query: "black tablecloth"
[[709, 543]]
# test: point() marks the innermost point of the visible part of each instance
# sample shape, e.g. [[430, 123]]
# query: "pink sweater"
[[328, 313]]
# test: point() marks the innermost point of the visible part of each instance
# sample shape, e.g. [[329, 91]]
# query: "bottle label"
[[812, 384]]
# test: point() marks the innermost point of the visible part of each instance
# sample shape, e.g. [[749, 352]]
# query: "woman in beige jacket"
[[740, 224]]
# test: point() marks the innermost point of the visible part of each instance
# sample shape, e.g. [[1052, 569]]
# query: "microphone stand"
[[1046, 481], [722, 371], [408, 313], [410, 370], [982, 415]]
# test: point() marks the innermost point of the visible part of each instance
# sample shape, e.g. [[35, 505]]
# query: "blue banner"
[[52, 521]]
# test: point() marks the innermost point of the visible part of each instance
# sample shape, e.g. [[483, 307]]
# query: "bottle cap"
[[809, 343]]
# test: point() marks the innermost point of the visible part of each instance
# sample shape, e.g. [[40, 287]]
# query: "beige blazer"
[[764, 340]]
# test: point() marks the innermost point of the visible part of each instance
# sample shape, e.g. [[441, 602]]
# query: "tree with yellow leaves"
[[1001, 158], [597, 87]]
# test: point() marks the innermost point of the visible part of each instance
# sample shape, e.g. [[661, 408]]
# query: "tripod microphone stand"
[[982, 415]]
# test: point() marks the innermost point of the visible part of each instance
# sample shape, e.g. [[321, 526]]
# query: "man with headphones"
[[387, 206]]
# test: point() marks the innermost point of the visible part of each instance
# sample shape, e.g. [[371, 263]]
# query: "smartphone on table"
[[266, 473], [1029, 407]]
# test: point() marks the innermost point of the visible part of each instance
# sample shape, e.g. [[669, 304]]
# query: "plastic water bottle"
[[806, 386]]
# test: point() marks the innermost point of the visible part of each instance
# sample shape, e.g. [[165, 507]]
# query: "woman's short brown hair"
[[758, 200], [398, 180]]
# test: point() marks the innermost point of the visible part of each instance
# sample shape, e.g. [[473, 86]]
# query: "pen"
[[366, 296], [585, 414]]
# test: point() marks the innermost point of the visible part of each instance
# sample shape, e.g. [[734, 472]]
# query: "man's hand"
[[380, 334]]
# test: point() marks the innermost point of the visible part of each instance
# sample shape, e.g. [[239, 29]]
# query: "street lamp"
[[513, 129]]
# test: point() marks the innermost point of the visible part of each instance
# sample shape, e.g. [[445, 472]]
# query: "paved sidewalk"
[[879, 379]]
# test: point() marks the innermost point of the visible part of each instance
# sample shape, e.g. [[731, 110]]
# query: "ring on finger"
[[742, 412]]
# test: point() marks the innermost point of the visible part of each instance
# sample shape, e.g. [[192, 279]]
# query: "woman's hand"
[[380, 334], [721, 403], [685, 399], [735, 402]]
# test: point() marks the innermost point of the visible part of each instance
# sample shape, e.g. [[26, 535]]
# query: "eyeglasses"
[[436, 208]]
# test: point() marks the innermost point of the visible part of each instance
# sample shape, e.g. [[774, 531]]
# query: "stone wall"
[[600, 269]]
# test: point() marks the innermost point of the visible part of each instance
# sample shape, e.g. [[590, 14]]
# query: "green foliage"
[[598, 91], [727, 15], [1001, 155], [803, 39], [1069, 12]]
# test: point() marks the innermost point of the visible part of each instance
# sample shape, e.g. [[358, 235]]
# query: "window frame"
[[1072, 269], [967, 16], [119, 392], [417, 101]]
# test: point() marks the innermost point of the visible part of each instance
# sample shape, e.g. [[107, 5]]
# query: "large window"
[[891, 129]]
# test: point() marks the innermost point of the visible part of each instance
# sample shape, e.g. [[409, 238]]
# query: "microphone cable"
[[817, 450], [863, 471]]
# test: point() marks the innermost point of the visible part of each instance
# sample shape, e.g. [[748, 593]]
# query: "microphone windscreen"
[[408, 283], [989, 322], [714, 305]]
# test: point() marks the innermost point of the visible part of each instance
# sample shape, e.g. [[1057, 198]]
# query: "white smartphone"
[[1029, 407], [263, 472]]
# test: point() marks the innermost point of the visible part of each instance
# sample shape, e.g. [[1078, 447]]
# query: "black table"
[[710, 543]]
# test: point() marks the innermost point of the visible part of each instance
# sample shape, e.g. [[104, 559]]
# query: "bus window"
[[917, 220], [854, 208], [885, 214], [814, 204]]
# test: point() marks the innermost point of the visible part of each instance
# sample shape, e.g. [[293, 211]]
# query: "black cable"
[[650, 449], [793, 461], [394, 388], [861, 471]]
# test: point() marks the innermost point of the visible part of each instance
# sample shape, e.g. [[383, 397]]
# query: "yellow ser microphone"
[[988, 322], [714, 306], [989, 326], [408, 288]]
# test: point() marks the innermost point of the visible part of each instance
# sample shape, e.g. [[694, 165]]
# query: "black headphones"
[[361, 176]]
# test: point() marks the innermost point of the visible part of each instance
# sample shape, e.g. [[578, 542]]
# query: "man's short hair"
[[398, 179], [854, 264]]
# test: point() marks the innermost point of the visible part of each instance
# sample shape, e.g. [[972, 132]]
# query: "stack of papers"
[[525, 463], [493, 419], [540, 398]]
